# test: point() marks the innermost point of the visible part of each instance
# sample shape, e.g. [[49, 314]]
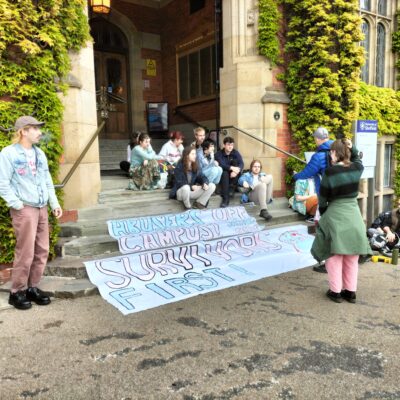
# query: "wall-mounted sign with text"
[[366, 139]]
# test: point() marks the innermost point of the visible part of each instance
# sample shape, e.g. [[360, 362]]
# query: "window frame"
[[187, 52], [380, 56]]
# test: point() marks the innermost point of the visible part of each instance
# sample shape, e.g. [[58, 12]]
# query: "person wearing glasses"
[[258, 187]]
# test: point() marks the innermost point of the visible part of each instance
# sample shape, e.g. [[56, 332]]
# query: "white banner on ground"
[[150, 233], [136, 282]]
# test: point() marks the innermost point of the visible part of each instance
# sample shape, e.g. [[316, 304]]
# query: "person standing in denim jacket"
[[27, 188]]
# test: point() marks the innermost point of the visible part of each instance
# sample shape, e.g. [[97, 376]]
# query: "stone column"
[[79, 124], [246, 78]]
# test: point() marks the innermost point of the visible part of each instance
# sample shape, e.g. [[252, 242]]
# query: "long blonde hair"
[[18, 135]]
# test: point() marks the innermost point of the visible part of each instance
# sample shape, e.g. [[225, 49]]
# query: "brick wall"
[[179, 27]]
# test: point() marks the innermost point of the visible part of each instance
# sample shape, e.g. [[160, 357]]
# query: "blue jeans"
[[213, 174]]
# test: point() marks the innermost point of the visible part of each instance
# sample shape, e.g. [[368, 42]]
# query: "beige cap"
[[26, 120]]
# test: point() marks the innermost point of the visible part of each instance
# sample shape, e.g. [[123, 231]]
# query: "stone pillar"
[[245, 79], [79, 124]]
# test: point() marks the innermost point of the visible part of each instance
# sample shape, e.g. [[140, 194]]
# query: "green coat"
[[340, 230]]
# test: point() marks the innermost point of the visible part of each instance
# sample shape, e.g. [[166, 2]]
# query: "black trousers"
[[227, 183], [125, 165]]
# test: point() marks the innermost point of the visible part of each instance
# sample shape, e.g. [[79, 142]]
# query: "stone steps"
[[90, 234], [88, 238]]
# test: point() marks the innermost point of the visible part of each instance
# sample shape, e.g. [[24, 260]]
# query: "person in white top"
[[171, 152], [133, 141]]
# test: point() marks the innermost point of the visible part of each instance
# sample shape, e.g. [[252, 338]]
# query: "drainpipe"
[[218, 64]]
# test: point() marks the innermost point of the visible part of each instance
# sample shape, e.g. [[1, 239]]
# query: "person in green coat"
[[340, 236], [144, 170]]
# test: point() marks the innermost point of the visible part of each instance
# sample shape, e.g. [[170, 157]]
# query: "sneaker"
[[336, 297], [224, 204], [386, 252], [348, 295], [310, 220], [320, 268], [244, 198], [265, 214], [198, 205], [19, 300], [37, 296]]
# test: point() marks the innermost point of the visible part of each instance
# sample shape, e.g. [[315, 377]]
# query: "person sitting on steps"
[[209, 167], [144, 170], [190, 183], [170, 154], [305, 200], [231, 163], [125, 165], [385, 231], [257, 186]]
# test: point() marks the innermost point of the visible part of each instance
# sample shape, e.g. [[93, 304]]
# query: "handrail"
[[263, 141], [80, 158], [190, 119]]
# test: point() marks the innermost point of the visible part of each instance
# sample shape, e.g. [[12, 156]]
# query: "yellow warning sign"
[[151, 67]]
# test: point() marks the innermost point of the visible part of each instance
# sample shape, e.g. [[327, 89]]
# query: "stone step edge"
[[106, 238], [62, 287]]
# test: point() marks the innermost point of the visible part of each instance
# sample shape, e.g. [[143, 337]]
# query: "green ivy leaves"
[[34, 51]]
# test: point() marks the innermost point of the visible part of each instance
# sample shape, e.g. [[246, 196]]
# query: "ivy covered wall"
[[35, 41], [323, 66], [322, 61]]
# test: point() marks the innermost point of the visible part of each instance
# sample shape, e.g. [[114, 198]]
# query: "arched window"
[[382, 7], [365, 4], [365, 43], [380, 56]]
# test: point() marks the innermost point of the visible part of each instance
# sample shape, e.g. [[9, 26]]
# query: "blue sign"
[[367, 126]]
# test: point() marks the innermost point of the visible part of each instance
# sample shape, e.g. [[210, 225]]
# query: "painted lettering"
[[123, 296]]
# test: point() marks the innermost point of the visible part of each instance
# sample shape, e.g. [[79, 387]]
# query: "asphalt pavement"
[[276, 338]]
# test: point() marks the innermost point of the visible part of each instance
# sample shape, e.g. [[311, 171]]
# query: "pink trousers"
[[31, 229], [342, 272]]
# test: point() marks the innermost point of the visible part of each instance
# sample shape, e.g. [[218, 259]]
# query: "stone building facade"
[[172, 51]]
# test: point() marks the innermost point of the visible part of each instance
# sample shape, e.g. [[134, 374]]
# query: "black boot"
[[19, 300]]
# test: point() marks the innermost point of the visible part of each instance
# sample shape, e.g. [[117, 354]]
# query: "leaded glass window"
[[380, 56], [382, 7], [365, 43], [365, 4], [387, 166]]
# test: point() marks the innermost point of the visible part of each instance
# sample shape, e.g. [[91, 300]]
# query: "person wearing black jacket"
[[190, 183], [232, 165], [385, 231]]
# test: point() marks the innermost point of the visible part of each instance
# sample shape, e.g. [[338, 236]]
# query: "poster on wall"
[[366, 140], [157, 117]]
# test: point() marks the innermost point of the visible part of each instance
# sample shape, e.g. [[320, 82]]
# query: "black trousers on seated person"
[[226, 183], [125, 165]]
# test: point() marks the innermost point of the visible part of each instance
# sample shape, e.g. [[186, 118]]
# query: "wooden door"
[[112, 94]]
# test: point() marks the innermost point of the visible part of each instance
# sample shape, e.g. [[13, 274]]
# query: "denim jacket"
[[18, 186], [248, 177]]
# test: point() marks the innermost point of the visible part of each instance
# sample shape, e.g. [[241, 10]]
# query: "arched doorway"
[[112, 79]]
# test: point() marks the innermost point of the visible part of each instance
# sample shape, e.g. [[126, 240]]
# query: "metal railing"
[[261, 140], [189, 119], [80, 158]]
